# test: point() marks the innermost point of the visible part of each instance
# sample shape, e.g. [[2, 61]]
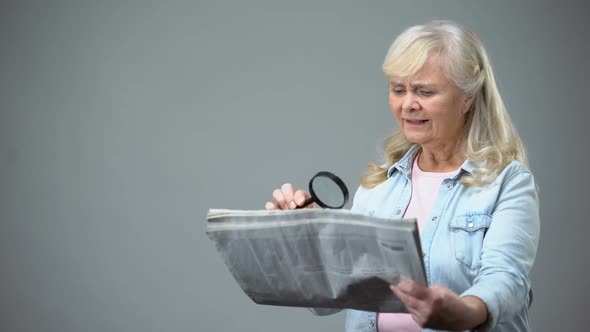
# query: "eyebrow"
[[415, 84]]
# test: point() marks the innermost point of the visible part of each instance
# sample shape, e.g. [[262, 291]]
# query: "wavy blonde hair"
[[490, 136]]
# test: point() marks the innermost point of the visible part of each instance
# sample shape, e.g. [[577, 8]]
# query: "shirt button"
[[470, 225], [372, 212], [434, 218], [398, 211], [423, 254], [449, 186]]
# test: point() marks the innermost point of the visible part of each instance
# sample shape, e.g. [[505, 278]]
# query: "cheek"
[[446, 119], [394, 106]]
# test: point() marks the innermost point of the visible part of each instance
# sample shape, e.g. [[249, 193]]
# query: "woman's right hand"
[[286, 198]]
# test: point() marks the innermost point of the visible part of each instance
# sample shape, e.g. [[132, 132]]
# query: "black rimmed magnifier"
[[327, 190]]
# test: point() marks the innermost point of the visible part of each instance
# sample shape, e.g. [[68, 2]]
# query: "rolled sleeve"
[[509, 250]]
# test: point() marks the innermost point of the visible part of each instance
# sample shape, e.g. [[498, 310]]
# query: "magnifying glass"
[[327, 190]]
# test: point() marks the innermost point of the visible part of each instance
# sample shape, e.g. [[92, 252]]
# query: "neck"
[[440, 158]]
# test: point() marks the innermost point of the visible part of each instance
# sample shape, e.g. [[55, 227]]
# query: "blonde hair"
[[490, 136]]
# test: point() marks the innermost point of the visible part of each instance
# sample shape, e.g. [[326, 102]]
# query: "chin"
[[415, 139]]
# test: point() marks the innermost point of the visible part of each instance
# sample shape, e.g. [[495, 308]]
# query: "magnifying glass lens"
[[327, 192]]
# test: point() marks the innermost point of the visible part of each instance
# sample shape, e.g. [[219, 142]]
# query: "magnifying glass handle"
[[307, 202]]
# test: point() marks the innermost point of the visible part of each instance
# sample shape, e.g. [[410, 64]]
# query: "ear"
[[467, 102]]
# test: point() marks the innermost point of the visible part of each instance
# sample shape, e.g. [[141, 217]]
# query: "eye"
[[425, 93], [398, 91]]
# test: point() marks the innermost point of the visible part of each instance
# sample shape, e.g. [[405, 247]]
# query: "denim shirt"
[[478, 241]]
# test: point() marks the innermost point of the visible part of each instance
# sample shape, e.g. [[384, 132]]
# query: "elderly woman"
[[457, 165]]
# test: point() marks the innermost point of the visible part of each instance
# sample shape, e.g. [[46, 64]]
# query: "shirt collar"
[[404, 165]]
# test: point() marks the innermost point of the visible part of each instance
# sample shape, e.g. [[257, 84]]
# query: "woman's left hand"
[[438, 307]]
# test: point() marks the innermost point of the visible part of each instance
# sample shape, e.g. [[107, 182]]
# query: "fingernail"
[[404, 280], [293, 205]]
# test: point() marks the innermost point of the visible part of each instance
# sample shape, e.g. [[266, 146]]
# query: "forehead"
[[432, 73]]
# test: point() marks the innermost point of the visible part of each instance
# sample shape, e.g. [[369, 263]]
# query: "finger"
[[417, 317], [413, 288], [301, 197], [415, 307], [288, 193], [407, 299], [270, 206], [279, 198], [405, 286]]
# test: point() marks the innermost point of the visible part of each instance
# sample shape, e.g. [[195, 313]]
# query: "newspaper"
[[318, 258]]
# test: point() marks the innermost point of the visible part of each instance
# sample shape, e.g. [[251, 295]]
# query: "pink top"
[[425, 186]]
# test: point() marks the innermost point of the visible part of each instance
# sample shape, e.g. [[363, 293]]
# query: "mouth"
[[414, 122]]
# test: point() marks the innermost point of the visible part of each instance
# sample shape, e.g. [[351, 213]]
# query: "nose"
[[410, 103]]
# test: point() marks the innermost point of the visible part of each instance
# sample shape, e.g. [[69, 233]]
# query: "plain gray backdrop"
[[123, 122]]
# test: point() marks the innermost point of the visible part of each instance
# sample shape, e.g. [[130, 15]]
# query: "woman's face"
[[428, 107]]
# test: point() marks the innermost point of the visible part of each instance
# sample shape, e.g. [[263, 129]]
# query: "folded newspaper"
[[318, 258]]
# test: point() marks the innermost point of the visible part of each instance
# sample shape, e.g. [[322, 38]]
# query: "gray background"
[[122, 122]]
